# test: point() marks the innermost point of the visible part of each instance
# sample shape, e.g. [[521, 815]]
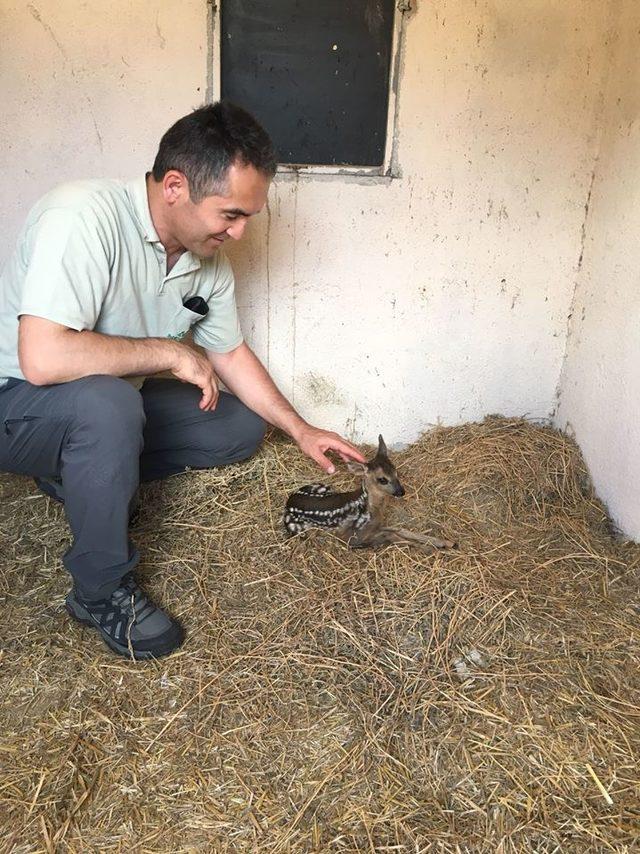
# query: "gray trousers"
[[101, 437]]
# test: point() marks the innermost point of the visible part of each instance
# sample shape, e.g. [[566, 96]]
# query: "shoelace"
[[130, 599], [126, 608]]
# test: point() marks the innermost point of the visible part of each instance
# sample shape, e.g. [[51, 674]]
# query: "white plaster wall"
[[444, 295], [378, 305], [600, 387], [88, 88]]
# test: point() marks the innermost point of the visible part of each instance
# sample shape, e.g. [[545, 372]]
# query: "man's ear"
[[356, 468], [175, 186]]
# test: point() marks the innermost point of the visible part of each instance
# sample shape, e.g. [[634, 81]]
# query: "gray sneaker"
[[129, 623]]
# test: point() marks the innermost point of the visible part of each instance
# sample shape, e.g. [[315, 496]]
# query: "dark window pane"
[[315, 74]]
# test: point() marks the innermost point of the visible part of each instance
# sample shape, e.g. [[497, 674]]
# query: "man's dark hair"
[[204, 144]]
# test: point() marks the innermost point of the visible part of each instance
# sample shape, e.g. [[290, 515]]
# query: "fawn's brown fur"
[[357, 516]]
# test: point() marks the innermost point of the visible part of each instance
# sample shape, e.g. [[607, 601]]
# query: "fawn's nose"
[[399, 490]]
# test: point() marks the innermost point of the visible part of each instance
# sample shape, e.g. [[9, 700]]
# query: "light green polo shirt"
[[89, 257]]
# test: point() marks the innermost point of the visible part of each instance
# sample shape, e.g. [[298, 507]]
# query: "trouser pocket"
[[12, 425], [31, 445]]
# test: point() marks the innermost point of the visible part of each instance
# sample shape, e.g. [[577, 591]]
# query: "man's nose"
[[236, 229]]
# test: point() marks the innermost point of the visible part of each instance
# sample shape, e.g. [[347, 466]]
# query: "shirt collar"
[[137, 192]]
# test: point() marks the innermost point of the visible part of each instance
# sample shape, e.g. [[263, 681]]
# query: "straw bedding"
[[480, 700]]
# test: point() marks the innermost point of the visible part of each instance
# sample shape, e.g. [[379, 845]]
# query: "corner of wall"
[[598, 127]]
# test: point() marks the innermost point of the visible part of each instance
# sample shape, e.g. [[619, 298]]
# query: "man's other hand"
[[315, 443], [192, 367]]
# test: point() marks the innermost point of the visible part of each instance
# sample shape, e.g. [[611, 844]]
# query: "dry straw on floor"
[[483, 700]]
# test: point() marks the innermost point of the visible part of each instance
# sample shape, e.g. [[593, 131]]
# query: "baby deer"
[[356, 517]]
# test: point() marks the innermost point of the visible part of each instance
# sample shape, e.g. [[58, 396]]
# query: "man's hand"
[[192, 367], [314, 443]]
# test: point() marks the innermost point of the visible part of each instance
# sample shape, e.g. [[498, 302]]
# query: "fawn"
[[356, 517]]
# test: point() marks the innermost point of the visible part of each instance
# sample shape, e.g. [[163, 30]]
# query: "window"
[[318, 76]]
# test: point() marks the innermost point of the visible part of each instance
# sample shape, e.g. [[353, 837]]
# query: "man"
[[106, 280]]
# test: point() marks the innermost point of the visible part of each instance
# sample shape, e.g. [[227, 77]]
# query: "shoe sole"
[[81, 615]]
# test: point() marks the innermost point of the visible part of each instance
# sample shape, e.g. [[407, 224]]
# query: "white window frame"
[[389, 167]]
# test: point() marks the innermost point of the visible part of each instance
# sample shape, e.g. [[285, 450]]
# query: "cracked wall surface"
[[599, 393], [378, 305]]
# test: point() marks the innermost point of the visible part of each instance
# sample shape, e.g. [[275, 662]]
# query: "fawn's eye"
[[383, 480]]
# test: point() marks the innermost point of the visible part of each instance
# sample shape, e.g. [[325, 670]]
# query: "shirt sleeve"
[[220, 330], [67, 274]]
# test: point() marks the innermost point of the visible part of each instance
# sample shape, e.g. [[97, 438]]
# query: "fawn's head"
[[379, 474]]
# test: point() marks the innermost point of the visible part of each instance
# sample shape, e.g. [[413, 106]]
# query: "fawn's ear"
[[356, 468], [382, 448]]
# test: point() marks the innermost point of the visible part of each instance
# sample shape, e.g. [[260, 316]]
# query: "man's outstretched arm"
[[245, 375]]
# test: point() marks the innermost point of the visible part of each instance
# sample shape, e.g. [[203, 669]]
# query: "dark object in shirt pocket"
[[197, 305]]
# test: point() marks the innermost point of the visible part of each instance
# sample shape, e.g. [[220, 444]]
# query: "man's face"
[[202, 228]]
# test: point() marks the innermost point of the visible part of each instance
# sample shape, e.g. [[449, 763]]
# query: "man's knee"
[[252, 429], [110, 415], [237, 436], [109, 402]]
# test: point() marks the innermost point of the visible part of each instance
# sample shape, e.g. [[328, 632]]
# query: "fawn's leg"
[[374, 535], [401, 535]]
